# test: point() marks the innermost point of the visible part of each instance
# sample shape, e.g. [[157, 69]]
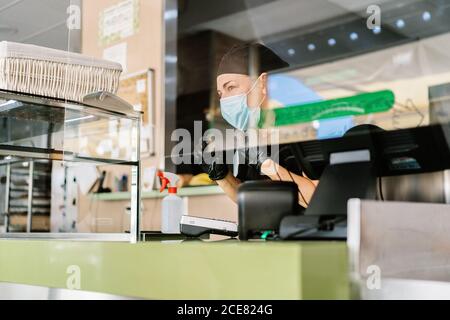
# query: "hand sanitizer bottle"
[[172, 205]]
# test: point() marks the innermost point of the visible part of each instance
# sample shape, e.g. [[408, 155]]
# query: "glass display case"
[[68, 152]]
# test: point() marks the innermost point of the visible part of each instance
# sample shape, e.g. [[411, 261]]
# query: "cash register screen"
[[401, 87]]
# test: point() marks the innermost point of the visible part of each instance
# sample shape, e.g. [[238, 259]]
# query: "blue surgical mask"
[[235, 111]]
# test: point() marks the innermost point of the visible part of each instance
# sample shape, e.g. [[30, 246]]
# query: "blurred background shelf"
[[183, 192], [27, 196]]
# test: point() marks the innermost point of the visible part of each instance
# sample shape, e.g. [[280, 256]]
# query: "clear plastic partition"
[[311, 70], [396, 88]]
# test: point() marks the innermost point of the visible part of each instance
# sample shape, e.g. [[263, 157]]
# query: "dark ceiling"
[[306, 32]]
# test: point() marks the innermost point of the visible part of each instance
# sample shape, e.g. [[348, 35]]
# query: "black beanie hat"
[[237, 60], [363, 129]]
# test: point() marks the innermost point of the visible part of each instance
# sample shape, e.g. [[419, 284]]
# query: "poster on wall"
[[117, 53], [118, 22], [138, 90]]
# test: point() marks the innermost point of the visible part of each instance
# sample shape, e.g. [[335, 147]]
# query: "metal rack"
[[27, 198]]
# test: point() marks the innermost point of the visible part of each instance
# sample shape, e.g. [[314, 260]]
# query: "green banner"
[[361, 104]]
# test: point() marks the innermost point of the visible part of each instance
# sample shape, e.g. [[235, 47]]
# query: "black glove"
[[248, 162], [256, 157], [215, 167]]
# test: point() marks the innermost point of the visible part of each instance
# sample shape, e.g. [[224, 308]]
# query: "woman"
[[242, 97]]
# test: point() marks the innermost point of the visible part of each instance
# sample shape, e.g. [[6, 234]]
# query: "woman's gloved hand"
[[249, 161], [255, 157], [212, 164]]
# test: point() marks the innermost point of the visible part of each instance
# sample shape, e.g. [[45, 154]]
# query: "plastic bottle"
[[172, 205]]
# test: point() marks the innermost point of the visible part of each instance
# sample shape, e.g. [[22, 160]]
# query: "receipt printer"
[[263, 204]]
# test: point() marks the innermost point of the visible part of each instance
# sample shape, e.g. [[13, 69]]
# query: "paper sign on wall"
[[119, 21], [117, 53], [141, 86]]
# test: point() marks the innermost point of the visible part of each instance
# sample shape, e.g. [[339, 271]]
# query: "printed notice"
[[117, 53], [118, 22]]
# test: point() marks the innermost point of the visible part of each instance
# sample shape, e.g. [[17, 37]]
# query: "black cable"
[[279, 177], [380, 188], [298, 188], [317, 226], [299, 232]]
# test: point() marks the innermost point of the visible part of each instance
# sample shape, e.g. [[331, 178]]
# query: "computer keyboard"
[[196, 226]]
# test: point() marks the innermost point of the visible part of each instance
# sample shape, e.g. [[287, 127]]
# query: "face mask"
[[235, 111]]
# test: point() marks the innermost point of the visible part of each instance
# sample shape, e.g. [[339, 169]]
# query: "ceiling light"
[[291, 52], [79, 119], [311, 47], [376, 30], [354, 36], [426, 16], [331, 42], [400, 23]]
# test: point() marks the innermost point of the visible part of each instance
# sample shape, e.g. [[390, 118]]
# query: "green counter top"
[[189, 270]]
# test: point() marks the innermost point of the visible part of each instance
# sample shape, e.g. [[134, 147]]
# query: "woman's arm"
[[230, 186], [305, 185], [274, 171]]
